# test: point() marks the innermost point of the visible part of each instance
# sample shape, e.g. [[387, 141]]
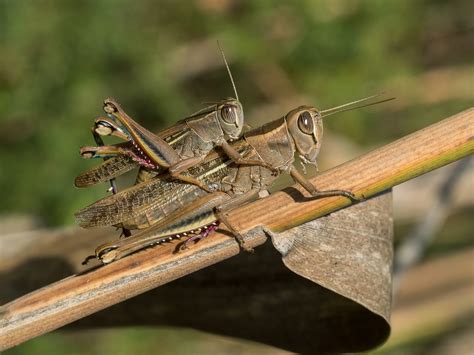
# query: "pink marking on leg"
[[143, 162], [207, 230]]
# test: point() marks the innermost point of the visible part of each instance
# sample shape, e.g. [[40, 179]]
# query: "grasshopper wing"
[[154, 198], [158, 193], [109, 169]]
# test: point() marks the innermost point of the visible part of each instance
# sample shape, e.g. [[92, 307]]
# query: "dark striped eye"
[[229, 113], [305, 122]]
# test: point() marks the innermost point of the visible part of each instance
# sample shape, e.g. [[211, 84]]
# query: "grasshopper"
[[176, 149], [184, 210]]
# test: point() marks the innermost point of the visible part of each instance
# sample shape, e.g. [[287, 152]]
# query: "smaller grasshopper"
[[300, 131], [176, 149]]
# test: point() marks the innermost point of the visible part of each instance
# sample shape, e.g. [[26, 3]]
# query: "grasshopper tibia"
[[203, 233], [308, 186]]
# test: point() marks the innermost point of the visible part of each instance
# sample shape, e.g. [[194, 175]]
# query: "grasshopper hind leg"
[[222, 217], [221, 214], [206, 231]]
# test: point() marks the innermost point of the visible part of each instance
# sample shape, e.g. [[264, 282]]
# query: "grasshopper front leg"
[[238, 159], [308, 186]]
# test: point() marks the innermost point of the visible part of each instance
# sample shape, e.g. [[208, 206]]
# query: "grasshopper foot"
[[87, 259], [275, 171], [353, 197], [243, 246], [330, 193], [238, 237], [197, 237]]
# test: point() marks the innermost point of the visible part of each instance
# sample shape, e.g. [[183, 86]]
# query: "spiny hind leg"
[[233, 203], [222, 216], [203, 233]]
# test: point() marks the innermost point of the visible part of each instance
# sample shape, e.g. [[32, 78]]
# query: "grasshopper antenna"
[[228, 70], [350, 106]]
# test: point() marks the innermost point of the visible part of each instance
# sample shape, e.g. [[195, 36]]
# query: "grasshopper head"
[[305, 125], [231, 118]]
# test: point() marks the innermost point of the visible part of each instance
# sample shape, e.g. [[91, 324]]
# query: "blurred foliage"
[[455, 234], [140, 340], [451, 339], [60, 59]]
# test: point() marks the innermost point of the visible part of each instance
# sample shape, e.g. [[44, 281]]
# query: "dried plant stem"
[[78, 296]]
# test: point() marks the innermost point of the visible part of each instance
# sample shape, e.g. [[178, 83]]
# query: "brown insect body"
[[272, 144], [156, 197], [269, 148], [178, 148]]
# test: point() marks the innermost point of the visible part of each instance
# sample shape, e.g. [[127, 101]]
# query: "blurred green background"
[[60, 59]]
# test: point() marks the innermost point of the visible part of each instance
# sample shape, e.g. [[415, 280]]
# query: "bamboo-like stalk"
[[80, 295]]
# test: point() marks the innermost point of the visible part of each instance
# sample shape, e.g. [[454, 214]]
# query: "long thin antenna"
[[352, 103], [356, 107], [228, 70]]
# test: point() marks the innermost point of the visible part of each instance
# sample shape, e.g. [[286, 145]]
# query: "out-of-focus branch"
[[415, 244], [78, 296], [409, 207], [433, 299]]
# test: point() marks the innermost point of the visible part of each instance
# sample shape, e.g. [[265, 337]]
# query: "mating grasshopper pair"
[[218, 181]]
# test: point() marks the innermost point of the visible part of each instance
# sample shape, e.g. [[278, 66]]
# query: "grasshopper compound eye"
[[305, 122], [229, 114]]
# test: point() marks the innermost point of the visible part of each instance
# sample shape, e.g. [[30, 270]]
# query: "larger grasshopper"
[[183, 210]]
